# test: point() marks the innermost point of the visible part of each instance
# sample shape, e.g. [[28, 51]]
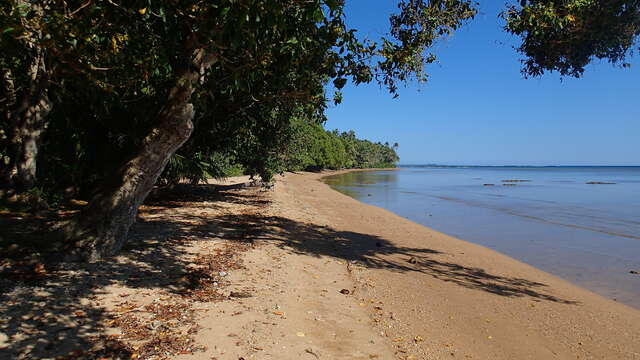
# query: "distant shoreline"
[[513, 166]]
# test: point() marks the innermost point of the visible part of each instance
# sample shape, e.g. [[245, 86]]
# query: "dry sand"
[[303, 272]]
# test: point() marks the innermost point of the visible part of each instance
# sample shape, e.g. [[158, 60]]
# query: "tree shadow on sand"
[[49, 310], [374, 252]]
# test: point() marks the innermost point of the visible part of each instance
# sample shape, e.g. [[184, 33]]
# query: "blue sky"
[[478, 109]]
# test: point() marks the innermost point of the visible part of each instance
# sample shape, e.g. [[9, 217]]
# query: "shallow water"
[[588, 234]]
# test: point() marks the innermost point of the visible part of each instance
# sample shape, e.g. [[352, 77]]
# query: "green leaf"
[[318, 15], [332, 4]]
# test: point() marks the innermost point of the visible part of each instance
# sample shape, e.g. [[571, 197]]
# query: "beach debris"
[[418, 339], [413, 260], [300, 334], [634, 272], [240, 294], [599, 183], [160, 330], [310, 351], [345, 291], [488, 184], [204, 278]]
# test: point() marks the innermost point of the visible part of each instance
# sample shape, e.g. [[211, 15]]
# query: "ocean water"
[[588, 234]]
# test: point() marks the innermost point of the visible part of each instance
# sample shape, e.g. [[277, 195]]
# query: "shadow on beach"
[[51, 310], [375, 253], [368, 250]]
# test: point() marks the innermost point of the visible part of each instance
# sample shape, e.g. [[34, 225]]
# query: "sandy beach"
[[459, 299], [226, 271]]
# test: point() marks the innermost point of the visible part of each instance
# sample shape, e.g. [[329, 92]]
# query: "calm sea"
[[550, 217]]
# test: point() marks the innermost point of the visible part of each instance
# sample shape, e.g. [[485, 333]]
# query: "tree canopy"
[[565, 36], [101, 99]]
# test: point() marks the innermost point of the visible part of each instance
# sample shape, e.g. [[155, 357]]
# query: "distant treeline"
[[314, 148], [306, 145]]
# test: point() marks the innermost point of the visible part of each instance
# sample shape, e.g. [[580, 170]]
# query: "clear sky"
[[478, 109]]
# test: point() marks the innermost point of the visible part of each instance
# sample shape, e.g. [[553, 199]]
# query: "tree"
[[24, 92], [49, 50], [567, 35], [206, 38], [136, 80]]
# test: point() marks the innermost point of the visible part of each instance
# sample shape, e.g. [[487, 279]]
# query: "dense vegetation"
[[306, 146], [98, 97], [314, 148]]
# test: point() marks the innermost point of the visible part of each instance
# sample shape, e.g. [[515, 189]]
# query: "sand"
[[458, 299], [304, 272]]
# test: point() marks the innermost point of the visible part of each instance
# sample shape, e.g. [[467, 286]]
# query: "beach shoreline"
[[226, 270], [482, 303], [553, 221]]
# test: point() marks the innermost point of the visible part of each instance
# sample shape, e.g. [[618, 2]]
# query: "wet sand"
[[581, 233]]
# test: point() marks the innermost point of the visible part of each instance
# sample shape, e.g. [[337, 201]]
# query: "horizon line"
[[512, 165]]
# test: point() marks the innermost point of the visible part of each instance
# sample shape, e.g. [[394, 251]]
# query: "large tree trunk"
[[26, 118], [25, 111], [103, 226]]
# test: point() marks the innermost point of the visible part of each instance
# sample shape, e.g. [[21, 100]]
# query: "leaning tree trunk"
[[103, 226]]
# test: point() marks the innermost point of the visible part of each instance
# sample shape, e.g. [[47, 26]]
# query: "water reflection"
[[359, 178]]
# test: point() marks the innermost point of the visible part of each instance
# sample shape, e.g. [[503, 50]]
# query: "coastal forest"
[[104, 100], [308, 146]]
